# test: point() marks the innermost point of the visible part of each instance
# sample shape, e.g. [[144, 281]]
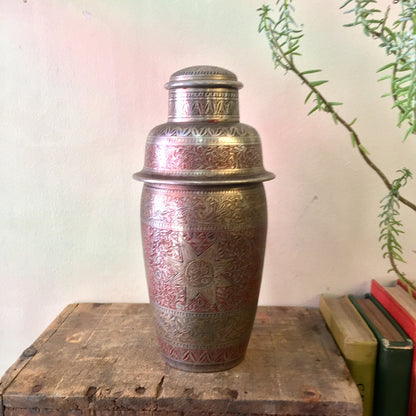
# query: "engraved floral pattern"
[[199, 274], [221, 233], [210, 330], [203, 245], [180, 159], [179, 208]]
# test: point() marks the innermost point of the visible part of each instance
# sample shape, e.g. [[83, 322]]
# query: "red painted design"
[[204, 257], [179, 158]]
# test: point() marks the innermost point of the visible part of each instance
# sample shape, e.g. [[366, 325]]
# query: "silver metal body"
[[204, 222]]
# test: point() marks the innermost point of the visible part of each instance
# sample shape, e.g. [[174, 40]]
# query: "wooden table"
[[103, 359]]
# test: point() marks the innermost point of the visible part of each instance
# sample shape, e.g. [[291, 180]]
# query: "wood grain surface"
[[103, 359]]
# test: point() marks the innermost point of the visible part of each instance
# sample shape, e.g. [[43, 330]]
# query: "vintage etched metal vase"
[[204, 222]]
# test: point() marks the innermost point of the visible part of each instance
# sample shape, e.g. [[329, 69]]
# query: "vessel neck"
[[203, 104]]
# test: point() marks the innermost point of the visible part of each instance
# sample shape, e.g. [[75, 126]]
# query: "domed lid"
[[203, 76]]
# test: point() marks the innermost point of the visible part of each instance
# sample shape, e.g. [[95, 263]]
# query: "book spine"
[[393, 368], [361, 365], [403, 318], [395, 309]]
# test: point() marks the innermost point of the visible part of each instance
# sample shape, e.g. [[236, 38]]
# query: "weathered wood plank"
[[292, 367], [31, 351], [103, 358]]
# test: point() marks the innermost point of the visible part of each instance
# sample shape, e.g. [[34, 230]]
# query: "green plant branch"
[[399, 41], [284, 37], [354, 137], [391, 226], [285, 58]]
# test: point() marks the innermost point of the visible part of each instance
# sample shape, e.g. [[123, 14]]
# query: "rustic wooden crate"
[[103, 360]]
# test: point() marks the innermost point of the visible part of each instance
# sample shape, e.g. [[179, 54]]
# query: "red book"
[[402, 308]]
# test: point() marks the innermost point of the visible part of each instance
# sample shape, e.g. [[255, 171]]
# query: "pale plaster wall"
[[82, 85]]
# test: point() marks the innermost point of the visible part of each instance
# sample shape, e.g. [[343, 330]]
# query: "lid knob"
[[203, 76]]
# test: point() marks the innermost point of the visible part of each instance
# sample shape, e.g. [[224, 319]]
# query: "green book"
[[356, 343], [394, 359]]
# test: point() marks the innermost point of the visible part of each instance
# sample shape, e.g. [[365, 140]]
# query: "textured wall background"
[[82, 85]]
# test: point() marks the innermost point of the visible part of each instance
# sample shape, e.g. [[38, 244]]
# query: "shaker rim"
[[218, 180]]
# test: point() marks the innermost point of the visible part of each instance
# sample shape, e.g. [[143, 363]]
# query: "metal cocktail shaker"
[[204, 222]]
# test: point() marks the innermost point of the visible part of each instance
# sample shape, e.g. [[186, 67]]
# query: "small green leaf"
[[399, 103], [292, 50], [404, 116], [411, 129], [363, 149], [390, 32], [313, 109], [346, 3], [384, 78], [308, 96], [353, 140], [383, 68], [311, 71], [317, 83]]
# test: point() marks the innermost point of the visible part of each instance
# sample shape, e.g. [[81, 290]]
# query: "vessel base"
[[202, 368]]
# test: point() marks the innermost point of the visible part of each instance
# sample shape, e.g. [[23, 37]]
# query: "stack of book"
[[376, 335]]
